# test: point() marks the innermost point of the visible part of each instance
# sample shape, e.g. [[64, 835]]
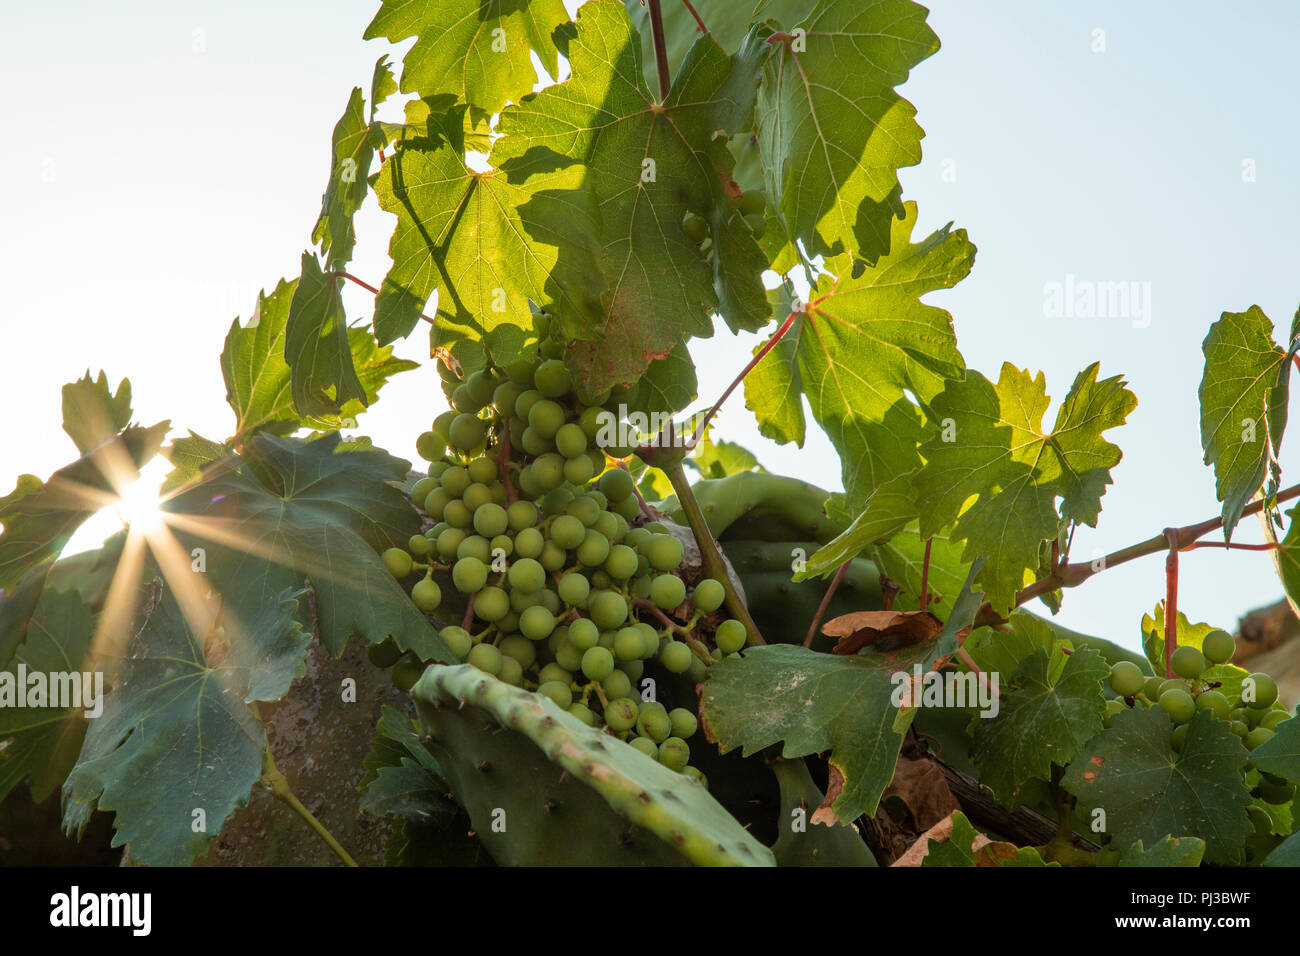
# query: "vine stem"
[[700, 23], [279, 785], [758, 357], [826, 600], [661, 48], [1171, 600], [710, 556], [925, 575]]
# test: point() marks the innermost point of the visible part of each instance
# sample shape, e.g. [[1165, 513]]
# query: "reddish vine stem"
[[369, 288], [826, 600], [469, 614], [1271, 546], [1171, 600], [661, 48], [698, 21], [758, 356], [925, 575], [888, 591]]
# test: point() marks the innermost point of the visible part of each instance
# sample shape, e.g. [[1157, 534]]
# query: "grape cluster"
[[561, 581], [750, 206], [1253, 714]]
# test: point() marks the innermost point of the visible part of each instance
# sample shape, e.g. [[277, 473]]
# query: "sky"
[[166, 161]]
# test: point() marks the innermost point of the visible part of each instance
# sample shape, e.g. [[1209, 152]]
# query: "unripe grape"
[[667, 591], [583, 713], [419, 545], [483, 470], [449, 543], [1126, 678], [427, 595], [621, 714], [1215, 703], [457, 640], [463, 400], [1178, 704], [663, 551], [594, 549], [757, 224], [512, 672], [534, 443], [684, 723], [616, 484], [567, 531], [675, 754], [1178, 739], [469, 574], [466, 432], [398, 562], [430, 447], [526, 575], [607, 609], [627, 509], [633, 669], [455, 480], [752, 202], [573, 589], [548, 471], [559, 693], [1188, 662], [491, 604], [525, 402], [731, 636], [706, 247], [476, 496], [651, 638], [486, 658], [570, 440], [536, 624], [504, 397], [442, 424], [1238, 727], [420, 490], [457, 514], [696, 227], [621, 563], [610, 525], [1265, 691], [552, 378], [583, 634], [1258, 737], [520, 649], [676, 657], [1218, 646], [709, 595], [578, 470], [646, 746], [490, 520], [552, 558], [1113, 707], [654, 724], [501, 545], [628, 644], [1151, 689], [617, 684], [521, 515], [1276, 794], [1273, 718], [553, 671], [1173, 683], [545, 417], [585, 509], [597, 663], [529, 544]]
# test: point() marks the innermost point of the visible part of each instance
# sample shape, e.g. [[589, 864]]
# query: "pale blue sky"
[[166, 160]]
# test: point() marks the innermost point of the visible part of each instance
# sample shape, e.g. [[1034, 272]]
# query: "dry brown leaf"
[[834, 784], [923, 789], [855, 631]]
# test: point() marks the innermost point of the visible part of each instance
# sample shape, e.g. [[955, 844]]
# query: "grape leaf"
[[1287, 853], [888, 511], [300, 510], [188, 457], [316, 345], [1171, 851], [646, 165], [42, 742], [479, 50], [1042, 719], [1280, 754], [353, 150], [862, 343], [1243, 397], [40, 517], [1002, 652], [717, 459], [177, 734], [967, 847], [668, 385], [92, 413], [902, 558], [1286, 557], [813, 702], [402, 777], [1149, 791], [990, 445], [833, 137]]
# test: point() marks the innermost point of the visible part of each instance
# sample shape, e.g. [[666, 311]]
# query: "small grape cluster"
[[569, 588], [1253, 714], [750, 206]]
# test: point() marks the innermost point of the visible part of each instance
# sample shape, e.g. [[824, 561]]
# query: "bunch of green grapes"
[[1252, 714], [567, 587]]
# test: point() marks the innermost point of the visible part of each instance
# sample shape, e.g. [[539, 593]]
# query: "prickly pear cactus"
[[542, 788], [802, 842]]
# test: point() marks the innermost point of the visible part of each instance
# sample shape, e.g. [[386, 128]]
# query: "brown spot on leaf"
[[861, 628], [834, 784]]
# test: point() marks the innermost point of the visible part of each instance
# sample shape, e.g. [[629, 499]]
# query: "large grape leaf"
[[41, 743], [1243, 397], [646, 165], [177, 734], [1042, 719], [487, 241], [316, 346], [889, 510], [259, 380], [479, 50], [814, 703], [92, 412], [861, 344], [298, 511], [833, 137], [1149, 791], [988, 442], [1280, 754]]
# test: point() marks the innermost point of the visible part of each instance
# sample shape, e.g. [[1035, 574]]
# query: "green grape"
[[520, 372], [610, 525], [676, 657], [499, 495], [481, 385], [490, 520], [552, 378], [474, 546], [731, 636], [512, 672], [616, 484], [436, 468], [585, 509], [663, 551], [1273, 718], [578, 470], [467, 432], [457, 640], [430, 447], [449, 543], [621, 714], [675, 754], [1151, 689], [706, 247], [554, 672], [1126, 679], [597, 663], [590, 421], [501, 545], [476, 496], [601, 501], [636, 537], [597, 459], [754, 201], [621, 563], [557, 692], [1276, 793], [504, 397], [384, 654], [1178, 739], [709, 595], [567, 531], [536, 624], [552, 558], [420, 490], [427, 595], [550, 600], [556, 501], [641, 585], [667, 591], [491, 604], [483, 470], [1264, 691], [405, 673], [1178, 704], [696, 227], [1173, 683], [617, 685], [698, 670], [633, 669], [683, 723], [442, 424], [486, 658], [457, 514], [1113, 707], [516, 428], [521, 601], [1214, 702], [583, 634], [546, 417], [548, 471], [601, 581], [628, 644], [757, 224], [1238, 727], [398, 562], [1188, 662], [570, 440], [607, 609], [439, 528], [520, 649], [1218, 646], [1258, 737], [573, 589], [583, 713], [551, 349], [455, 480], [1253, 715], [521, 515], [526, 575], [646, 746], [654, 723], [534, 444], [696, 774], [529, 543], [419, 545], [463, 400], [651, 638], [656, 527], [469, 574], [525, 402], [628, 508], [594, 549], [436, 501]]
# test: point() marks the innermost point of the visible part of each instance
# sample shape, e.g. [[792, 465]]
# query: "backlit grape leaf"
[[988, 442], [39, 518], [833, 137], [1149, 791], [813, 703], [960, 618], [188, 457], [306, 511], [480, 50], [177, 734], [774, 387], [717, 459], [668, 385], [1280, 754], [1002, 652], [888, 511], [1243, 398], [316, 346], [17, 604], [353, 150], [861, 345], [92, 412], [646, 166], [1171, 851], [42, 742], [1286, 557], [1041, 720]]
